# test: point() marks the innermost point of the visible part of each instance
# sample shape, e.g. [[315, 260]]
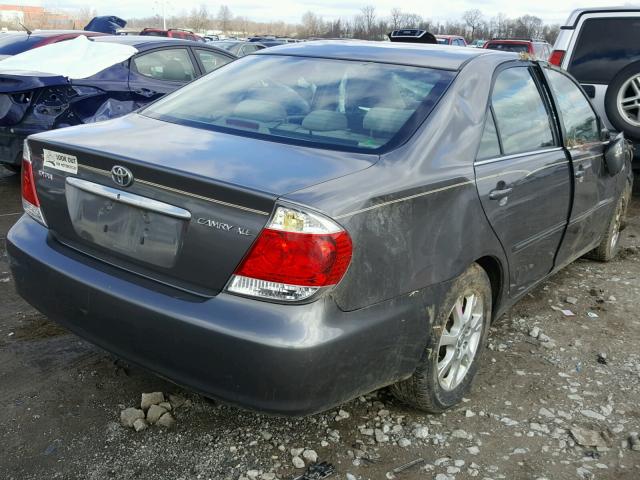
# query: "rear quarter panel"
[[415, 217]]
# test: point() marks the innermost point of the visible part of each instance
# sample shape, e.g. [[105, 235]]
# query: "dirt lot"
[[61, 399]]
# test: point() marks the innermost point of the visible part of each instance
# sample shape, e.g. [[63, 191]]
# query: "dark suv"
[[600, 48]]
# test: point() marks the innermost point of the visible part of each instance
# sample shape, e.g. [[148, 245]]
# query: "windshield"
[[342, 104], [443, 41], [509, 47]]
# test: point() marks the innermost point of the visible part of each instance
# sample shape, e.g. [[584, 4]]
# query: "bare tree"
[[312, 25], [474, 20], [224, 18], [200, 19], [368, 19], [396, 18]]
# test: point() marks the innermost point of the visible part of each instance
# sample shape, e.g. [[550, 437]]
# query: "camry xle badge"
[[218, 225], [121, 176]]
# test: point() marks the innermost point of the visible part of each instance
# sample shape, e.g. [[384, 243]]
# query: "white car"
[[600, 47]]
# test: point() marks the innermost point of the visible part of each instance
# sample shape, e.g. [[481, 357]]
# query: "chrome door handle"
[[497, 194]]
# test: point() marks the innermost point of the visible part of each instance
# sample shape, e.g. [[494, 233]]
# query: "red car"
[[451, 40], [537, 49], [172, 33], [15, 43]]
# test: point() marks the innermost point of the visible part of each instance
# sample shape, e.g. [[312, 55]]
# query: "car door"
[[594, 189], [523, 175], [160, 71]]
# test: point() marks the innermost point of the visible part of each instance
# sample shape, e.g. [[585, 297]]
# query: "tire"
[[424, 390], [610, 244], [618, 88]]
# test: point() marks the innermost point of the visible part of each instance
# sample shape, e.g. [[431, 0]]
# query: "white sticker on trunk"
[[60, 161]]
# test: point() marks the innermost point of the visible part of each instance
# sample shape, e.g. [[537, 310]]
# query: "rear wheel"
[[610, 243], [458, 335]]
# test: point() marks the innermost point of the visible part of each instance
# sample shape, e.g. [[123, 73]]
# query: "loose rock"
[[154, 413], [129, 415], [149, 399], [166, 421], [140, 425]]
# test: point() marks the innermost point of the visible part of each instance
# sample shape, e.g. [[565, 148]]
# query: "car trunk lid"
[[195, 205]]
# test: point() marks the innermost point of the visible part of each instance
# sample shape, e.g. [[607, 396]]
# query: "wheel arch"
[[494, 270]]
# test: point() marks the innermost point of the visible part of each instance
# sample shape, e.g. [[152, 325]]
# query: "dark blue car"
[[32, 102]]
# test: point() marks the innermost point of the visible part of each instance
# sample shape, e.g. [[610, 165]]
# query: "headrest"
[[386, 120], [259, 111], [325, 121]]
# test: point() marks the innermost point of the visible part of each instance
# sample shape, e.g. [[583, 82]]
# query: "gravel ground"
[[557, 397]]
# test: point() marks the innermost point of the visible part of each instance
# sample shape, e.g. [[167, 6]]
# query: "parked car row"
[[35, 101], [312, 205]]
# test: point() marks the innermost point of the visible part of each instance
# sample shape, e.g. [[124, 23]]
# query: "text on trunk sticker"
[[60, 161]]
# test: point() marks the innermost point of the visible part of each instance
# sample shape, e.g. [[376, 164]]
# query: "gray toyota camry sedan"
[[318, 220]]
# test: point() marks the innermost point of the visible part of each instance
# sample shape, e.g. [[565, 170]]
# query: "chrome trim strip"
[[200, 197], [410, 197], [576, 160], [517, 155], [526, 172], [129, 198], [181, 192]]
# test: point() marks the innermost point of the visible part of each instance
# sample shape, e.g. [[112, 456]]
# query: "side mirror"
[[615, 154]]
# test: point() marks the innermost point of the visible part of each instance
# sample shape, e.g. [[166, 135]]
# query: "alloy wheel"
[[628, 101], [460, 340]]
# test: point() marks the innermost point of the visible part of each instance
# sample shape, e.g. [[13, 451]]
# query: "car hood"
[[266, 166]]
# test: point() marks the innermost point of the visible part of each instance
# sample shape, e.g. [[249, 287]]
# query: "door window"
[[211, 60], [521, 116], [172, 64], [579, 120]]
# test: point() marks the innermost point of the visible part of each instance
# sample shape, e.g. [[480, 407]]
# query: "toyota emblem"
[[121, 176]]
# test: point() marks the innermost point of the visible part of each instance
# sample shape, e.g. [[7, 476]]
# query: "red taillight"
[[30, 200], [29, 185], [303, 259], [556, 57], [298, 253]]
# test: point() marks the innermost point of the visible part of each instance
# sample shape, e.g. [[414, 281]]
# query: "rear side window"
[[580, 123], [211, 60], [172, 65], [521, 116], [604, 47], [489, 145]]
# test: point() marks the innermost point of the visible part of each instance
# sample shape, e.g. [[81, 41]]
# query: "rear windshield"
[[154, 33], [604, 47], [14, 44], [442, 41], [340, 104], [508, 47]]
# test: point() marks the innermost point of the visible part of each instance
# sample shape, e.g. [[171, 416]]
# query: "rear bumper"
[[284, 359]]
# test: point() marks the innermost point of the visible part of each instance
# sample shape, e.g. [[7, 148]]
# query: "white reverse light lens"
[[269, 290], [292, 220]]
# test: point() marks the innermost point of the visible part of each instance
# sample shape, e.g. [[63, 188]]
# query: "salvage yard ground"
[[547, 381]]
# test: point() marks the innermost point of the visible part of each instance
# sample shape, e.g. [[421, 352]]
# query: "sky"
[[290, 11]]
